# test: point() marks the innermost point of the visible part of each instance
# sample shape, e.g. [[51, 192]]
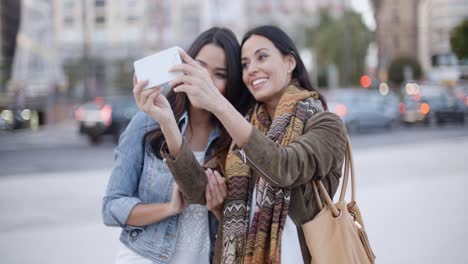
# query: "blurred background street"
[[395, 71]]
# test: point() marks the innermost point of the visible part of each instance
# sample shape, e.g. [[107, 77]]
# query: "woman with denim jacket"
[[288, 140], [141, 197]]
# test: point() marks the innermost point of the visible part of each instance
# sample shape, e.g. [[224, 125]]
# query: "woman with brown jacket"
[[288, 140]]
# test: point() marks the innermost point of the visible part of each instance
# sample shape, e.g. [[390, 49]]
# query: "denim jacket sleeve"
[[121, 194]]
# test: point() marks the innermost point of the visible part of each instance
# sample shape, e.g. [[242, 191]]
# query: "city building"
[[9, 24], [397, 30], [101, 38], [293, 15], [436, 19]]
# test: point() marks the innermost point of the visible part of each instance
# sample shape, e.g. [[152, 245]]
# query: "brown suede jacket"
[[318, 154]]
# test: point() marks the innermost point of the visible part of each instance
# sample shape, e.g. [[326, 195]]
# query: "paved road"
[[60, 148]]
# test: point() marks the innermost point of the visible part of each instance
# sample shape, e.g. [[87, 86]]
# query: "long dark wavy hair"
[[286, 46], [236, 92]]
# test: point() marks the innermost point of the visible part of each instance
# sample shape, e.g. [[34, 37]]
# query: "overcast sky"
[[363, 7]]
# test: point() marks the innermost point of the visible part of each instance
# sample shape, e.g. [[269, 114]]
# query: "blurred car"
[[445, 107], [461, 92], [109, 116], [362, 109], [433, 104], [413, 110], [15, 119], [3, 124]]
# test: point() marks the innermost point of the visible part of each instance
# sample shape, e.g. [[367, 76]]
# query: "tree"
[[123, 79], [459, 40], [396, 71], [340, 41]]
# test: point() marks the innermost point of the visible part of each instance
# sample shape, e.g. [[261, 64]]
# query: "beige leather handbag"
[[337, 235]]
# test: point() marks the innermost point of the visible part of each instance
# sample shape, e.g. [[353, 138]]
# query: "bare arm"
[[146, 214]]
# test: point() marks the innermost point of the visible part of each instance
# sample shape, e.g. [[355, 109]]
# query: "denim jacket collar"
[[183, 122]]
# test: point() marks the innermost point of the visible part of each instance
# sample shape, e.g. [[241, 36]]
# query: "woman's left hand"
[[152, 102], [196, 83], [216, 192]]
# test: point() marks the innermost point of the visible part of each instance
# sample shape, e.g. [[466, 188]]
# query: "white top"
[[193, 241], [290, 248]]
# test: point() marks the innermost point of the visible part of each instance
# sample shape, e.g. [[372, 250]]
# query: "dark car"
[[362, 109], [446, 107], [105, 116], [461, 92]]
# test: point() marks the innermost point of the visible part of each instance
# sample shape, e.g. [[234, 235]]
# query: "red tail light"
[[424, 108], [106, 115], [340, 110], [402, 108], [466, 101], [79, 114]]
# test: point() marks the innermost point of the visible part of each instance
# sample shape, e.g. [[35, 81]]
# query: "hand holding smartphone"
[[155, 68]]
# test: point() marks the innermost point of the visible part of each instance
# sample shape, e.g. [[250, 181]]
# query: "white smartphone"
[[155, 68]]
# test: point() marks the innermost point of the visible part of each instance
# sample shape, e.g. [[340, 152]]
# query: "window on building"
[[100, 3], [132, 19], [100, 20], [396, 42], [395, 14], [68, 21]]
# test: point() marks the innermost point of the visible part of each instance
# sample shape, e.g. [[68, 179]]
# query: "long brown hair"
[[236, 92]]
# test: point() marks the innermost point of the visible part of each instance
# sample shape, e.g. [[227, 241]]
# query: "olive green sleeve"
[[188, 173], [312, 155]]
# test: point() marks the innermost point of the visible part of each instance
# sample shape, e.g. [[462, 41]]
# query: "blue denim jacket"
[[138, 178]]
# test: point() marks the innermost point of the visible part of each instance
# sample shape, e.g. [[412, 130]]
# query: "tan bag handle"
[[348, 172], [349, 169]]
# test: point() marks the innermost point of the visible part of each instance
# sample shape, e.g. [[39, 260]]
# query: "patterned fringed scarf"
[[261, 243]]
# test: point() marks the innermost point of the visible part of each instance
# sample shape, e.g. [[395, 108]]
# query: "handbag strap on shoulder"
[[319, 188], [348, 172]]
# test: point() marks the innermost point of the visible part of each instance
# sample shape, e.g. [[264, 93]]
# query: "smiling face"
[[213, 59], [265, 70]]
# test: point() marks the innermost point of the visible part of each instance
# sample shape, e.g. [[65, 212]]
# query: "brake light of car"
[[106, 115], [417, 97], [79, 114], [340, 110], [402, 108], [424, 108], [466, 101], [98, 101]]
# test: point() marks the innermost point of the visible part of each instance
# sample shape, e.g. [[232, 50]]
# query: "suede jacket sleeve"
[[188, 173], [312, 155]]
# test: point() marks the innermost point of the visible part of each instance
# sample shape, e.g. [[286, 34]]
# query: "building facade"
[[397, 30], [104, 31], [436, 20], [9, 24]]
